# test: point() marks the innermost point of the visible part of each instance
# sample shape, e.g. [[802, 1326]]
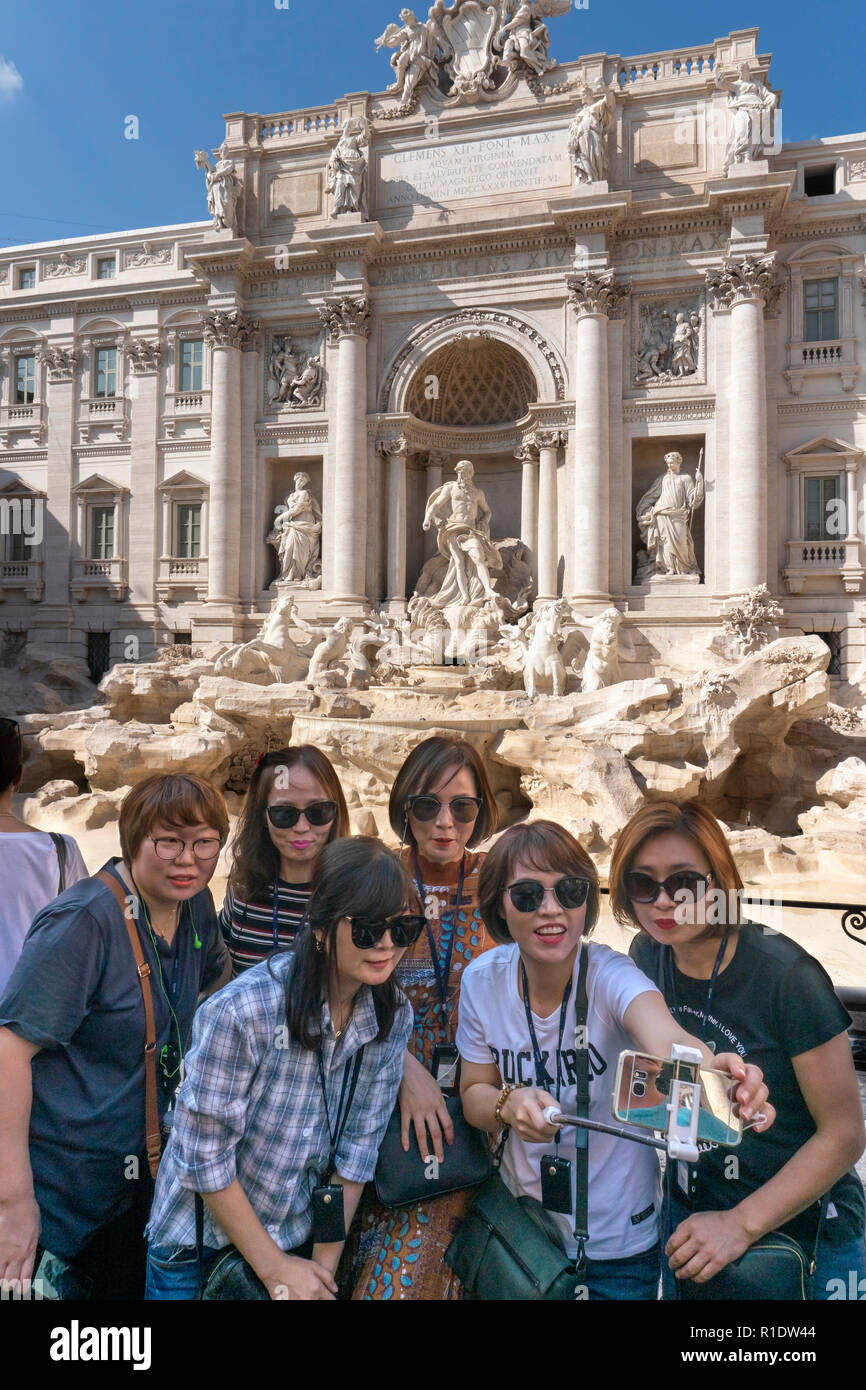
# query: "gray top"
[[75, 993]]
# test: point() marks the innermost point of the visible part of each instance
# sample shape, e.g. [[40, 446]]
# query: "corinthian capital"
[[144, 354], [346, 316], [229, 328], [595, 293], [752, 277], [60, 361]]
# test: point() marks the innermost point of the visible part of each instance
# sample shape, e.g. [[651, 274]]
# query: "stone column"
[[851, 500], [528, 454], [251, 518], [549, 442], [145, 357], [228, 331], [347, 320], [747, 287], [595, 298], [60, 539], [396, 452]]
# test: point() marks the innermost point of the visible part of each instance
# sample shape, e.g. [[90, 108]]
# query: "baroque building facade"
[[564, 276]]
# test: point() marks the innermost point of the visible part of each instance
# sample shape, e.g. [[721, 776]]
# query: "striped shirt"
[[250, 1107], [247, 925]]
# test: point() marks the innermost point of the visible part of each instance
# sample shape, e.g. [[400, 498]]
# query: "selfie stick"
[[680, 1140]]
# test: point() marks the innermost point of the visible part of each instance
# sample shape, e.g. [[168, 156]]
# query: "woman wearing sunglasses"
[[289, 1086], [441, 805], [75, 1100], [294, 806], [539, 896], [739, 985]]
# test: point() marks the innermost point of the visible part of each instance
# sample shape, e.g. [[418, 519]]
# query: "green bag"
[[508, 1248]]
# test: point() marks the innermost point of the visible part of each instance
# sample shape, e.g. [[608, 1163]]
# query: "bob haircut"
[[693, 820], [354, 877], [11, 752], [425, 766], [545, 846], [174, 798], [256, 859]]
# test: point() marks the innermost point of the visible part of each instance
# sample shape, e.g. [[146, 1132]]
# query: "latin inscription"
[[457, 267], [436, 174]]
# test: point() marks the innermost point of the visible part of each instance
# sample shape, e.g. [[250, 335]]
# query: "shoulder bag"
[[402, 1178], [507, 1247], [774, 1268]]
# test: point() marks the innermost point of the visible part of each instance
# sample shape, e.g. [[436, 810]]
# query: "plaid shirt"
[[250, 1107]]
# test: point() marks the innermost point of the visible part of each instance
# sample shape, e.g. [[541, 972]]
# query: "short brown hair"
[[256, 859], [172, 798], [549, 848], [425, 766], [697, 823]]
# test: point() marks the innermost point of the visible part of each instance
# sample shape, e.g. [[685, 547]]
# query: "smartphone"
[[642, 1089]]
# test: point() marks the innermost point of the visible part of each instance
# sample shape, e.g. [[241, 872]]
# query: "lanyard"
[[671, 988], [536, 1050], [443, 976], [276, 915], [342, 1115]]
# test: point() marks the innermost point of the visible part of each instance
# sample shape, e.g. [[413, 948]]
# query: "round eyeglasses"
[[170, 847], [527, 894], [426, 807]]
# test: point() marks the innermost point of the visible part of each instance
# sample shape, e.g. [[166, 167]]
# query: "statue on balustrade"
[[587, 136], [296, 536], [751, 104], [223, 188], [664, 518], [347, 170]]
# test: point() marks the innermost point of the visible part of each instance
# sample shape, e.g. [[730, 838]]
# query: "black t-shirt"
[[773, 1002], [75, 993]]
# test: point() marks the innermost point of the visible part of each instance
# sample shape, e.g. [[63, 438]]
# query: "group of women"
[[360, 979]]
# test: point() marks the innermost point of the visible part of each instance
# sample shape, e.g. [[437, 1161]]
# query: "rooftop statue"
[[223, 188], [347, 170], [751, 103], [587, 136]]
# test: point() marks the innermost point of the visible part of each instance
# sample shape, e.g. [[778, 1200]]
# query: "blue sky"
[[70, 74]]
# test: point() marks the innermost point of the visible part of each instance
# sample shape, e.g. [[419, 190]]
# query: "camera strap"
[[540, 1069], [350, 1083], [581, 1136]]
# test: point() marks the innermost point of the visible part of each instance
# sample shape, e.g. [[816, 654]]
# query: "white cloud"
[[11, 80]]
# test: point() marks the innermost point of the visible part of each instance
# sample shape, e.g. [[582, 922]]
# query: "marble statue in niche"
[[223, 188], [462, 517], [296, 536], [664, 518], [347, 170], [752, 105]]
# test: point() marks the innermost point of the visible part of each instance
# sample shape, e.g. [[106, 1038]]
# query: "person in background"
[[291, 1081], [753, 989], [539, 897], [441, 805], [294, 806], [73, 1111], [34, 866]]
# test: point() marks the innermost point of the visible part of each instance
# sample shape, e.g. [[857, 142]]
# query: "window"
[[102, 533], [98, 654], [824, 509], [819, 181], [106, 372], [14, 548], [834, 641], [191, 364], [105, 268], [25, 380], [182, 639], [27, 277], [189, 530], [821, 303]]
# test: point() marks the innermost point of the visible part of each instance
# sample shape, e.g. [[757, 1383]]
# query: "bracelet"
[[503, 1096]]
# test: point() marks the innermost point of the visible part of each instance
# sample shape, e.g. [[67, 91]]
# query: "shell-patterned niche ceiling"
[[479, 381]]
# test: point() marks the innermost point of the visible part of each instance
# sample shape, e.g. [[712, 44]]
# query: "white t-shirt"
[[29, 880], [623, 1176]]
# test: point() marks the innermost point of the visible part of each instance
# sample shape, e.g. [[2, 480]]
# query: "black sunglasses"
[[426, 807], [690, 886], [367, 932], [528, 894], [283, 816]]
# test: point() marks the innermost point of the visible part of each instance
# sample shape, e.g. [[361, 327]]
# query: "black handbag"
[[775, 1268], [402, 1178], [509, 1248]]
